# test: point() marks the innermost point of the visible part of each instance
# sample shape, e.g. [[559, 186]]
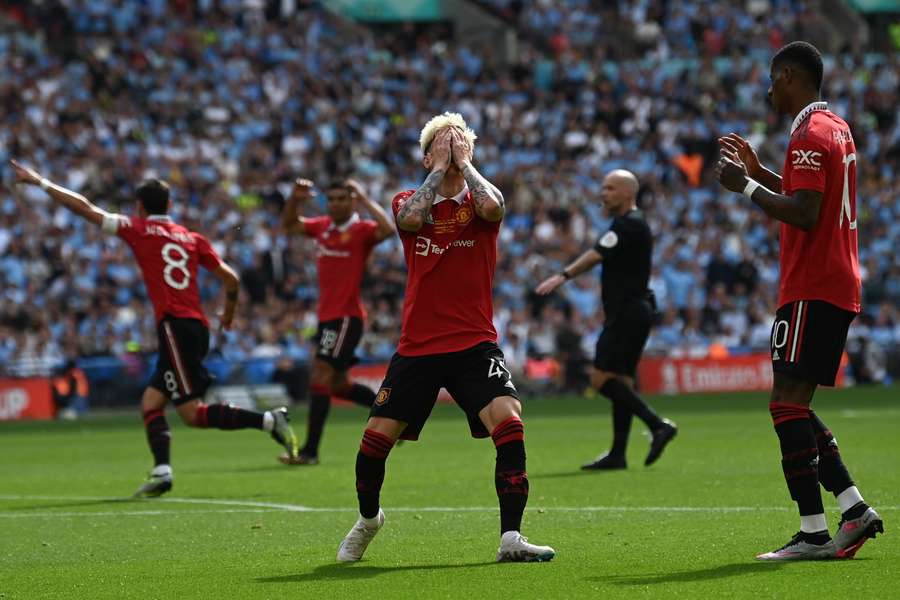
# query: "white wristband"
[[44, 183], [751, 187]]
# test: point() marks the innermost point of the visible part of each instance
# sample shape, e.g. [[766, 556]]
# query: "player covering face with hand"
[[169, 256], [449, 230], [818, 297]]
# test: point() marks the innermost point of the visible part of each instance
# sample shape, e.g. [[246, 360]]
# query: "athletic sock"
[[814, 523], [224, 416], [799, 455], [618, 391], [370, 461], [319, 405], [621, 419], [158, 436], [833, 474], [510, 477], [356, 393], [852, 504]]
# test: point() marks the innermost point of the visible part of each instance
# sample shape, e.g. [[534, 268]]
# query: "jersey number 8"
[[176, 259]]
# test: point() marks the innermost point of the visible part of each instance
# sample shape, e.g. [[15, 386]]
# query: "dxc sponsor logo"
[[806, 158]]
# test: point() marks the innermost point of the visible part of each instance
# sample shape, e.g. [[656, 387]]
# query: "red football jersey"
[[342, 254], [448, 305], [823, 263], [168, 255]]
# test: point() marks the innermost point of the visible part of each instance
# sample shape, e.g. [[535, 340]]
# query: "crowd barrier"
[[26, 399]]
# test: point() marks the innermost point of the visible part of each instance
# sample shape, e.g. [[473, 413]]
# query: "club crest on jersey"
[[345, 237], [382, 397], [464, 215]]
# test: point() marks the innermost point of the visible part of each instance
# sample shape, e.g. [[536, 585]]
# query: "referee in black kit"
[[626, 251]]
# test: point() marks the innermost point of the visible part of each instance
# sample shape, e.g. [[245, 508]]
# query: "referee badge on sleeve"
[[382, 397], [609, 240]]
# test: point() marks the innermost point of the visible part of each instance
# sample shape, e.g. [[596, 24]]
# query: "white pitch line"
[[263, 507], [128, 513]]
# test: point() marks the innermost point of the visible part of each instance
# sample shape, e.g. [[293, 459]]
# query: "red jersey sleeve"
[[808, 157], [206, 254], [395, 207], [315, 226], [369, 231], [124, 227]]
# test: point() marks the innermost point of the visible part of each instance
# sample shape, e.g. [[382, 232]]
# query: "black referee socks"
[[618, 391]]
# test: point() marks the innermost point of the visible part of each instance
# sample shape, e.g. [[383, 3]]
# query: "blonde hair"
[[448, 119]]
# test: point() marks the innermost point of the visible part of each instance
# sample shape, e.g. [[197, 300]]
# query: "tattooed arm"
[[488, 200], [415, 209]]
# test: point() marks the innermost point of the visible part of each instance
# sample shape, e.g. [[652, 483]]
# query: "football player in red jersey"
[[819, 294], [344, 243], [449, 229], [169, 256]]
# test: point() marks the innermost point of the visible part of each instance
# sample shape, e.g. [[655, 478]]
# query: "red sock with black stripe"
[[158, 435], [370, 461], [227, 417], [510, 477], [319, 406], [799, 455]]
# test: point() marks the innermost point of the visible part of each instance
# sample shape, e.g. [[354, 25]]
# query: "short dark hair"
[[338, 184], [153, 195], [805, 56]]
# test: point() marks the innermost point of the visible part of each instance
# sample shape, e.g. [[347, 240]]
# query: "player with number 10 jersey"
[[169, 256]]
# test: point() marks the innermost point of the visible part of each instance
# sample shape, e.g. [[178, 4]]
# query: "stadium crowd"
[[230, 104]]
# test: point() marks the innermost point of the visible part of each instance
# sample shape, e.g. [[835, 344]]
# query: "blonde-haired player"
[[449, 229]]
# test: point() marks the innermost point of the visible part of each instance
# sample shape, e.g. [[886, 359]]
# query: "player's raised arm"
[[740, 150], [290, 221], [414, 210], [800, 209], [385, 227], [74, 201], [489, 202], [583, 263]]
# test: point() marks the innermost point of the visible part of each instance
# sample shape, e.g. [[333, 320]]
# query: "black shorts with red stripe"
[[336, 341], [808, 340], [180, 374]]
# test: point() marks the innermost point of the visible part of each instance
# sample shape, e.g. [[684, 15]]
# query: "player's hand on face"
[[225, 321], [440, 150], [460, 148], [548, 285], [740, 150], [731, 174], [356, 188], [303, 189], [25, 174]]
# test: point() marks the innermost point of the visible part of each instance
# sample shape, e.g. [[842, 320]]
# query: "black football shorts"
[[808, 339], [473, 377], [622, 340], [336, 341], [180, 374]]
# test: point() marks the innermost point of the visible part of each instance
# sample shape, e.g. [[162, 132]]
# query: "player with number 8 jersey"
[[169, 256]]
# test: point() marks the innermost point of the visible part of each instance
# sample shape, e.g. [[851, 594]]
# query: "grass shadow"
[[343, 571], [70, 504], [708, 574], [573, 473]]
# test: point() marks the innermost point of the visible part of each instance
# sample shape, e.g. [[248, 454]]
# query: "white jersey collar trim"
[[163, 218], [354, 219], [808, 110], [459, 198]]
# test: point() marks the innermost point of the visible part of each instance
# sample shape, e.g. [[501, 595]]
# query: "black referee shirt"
[[627, 249]]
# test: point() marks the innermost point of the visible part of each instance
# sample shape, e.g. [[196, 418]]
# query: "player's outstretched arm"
[[578, 266], [75, 202], [290, 221], [232, 283], [800, 209], [488, 200], [385, 227], [414, 210], [740, 150]]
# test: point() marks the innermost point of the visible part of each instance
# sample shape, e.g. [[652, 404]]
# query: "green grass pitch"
[[688, 527]]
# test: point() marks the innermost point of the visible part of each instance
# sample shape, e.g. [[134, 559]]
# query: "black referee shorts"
[[808, 339], [180, 374], [474, 377], [622, 340]]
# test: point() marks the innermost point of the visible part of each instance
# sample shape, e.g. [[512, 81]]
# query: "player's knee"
[[791, 390], [599, 378], [340, 382], [322, 374], [189, 414], [500, 409], [389, 427]]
